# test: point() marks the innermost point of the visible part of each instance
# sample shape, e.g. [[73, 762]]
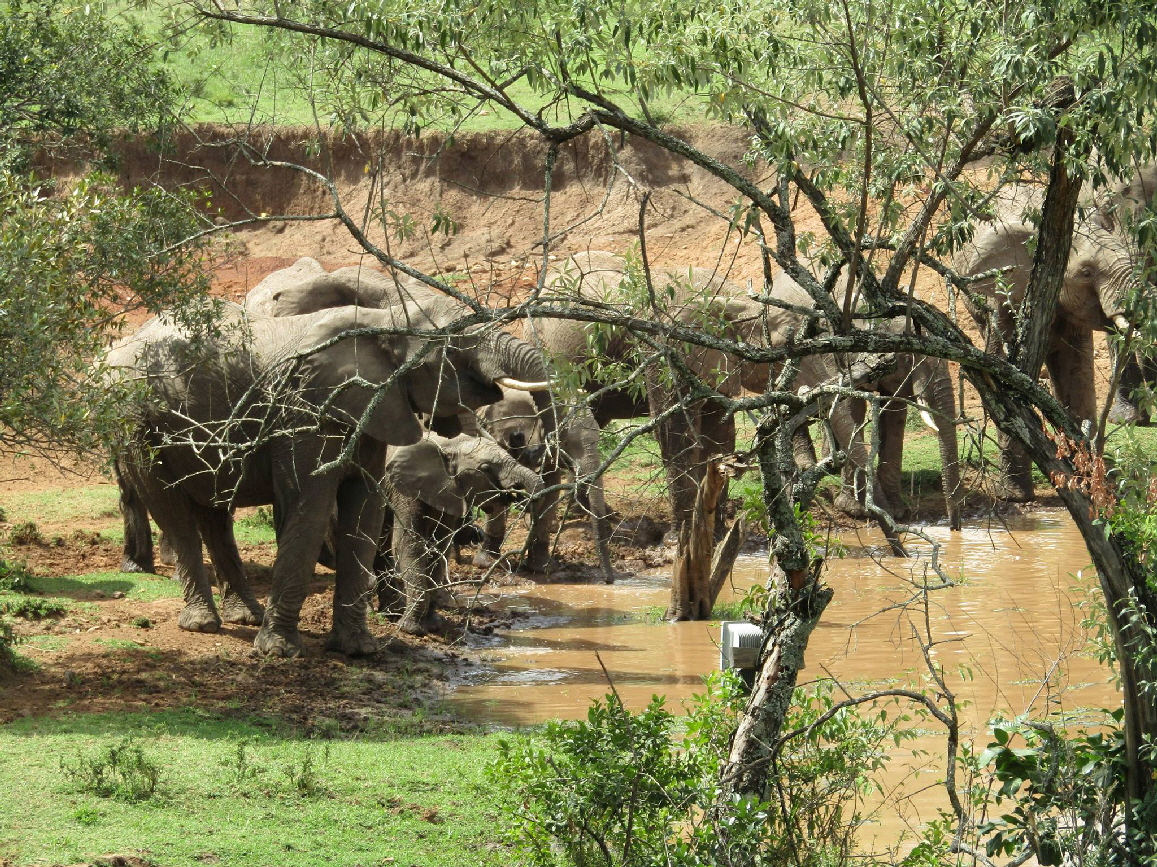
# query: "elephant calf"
[[432, 488], [516, 424]]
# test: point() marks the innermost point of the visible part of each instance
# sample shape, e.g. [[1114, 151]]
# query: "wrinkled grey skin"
[[514, 422], [432, 488], [1126, 200], [689, 438], [305, 286], [250, 417], [1099, 278]]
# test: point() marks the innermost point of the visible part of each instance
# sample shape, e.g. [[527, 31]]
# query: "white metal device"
[[739, 644]]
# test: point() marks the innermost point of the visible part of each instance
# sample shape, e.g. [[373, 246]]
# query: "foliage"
[[76, 257], [1061, 795], [33, 607], [121, 770], [7, 640], [15, 577], [70, 80], [622, 788]]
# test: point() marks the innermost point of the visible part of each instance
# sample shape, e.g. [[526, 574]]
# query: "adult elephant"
[[1100, 276], [517, 425], [306, 287], [297, 412], [432, 488], [687, 439]]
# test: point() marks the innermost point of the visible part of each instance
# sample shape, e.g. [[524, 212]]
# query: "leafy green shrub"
[[1061, 795], [141, 623], [15, 577], [120, 771], [33, 607], [7, 639], [302, 774], [26, 533], [622, 788]]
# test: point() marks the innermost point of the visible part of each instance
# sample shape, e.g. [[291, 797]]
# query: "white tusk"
[[927, 417], [1121, 322], [519, 385]]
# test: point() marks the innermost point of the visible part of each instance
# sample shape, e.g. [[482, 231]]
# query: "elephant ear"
[[345, 379], [420, 470]]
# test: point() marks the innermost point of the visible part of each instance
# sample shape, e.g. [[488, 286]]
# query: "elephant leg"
[[678, 438], [494, 533], [803, 449], [1124, 409], [543, 515], [238, 604], [893, 416], [360, 511], [173, 510], [138, 546], [1070, 366], [415, 556], [847, 435], [302, 518]]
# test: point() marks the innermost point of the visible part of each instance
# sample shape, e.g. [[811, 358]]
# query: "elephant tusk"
[[1121, 322], [927, 417], [519, 385]]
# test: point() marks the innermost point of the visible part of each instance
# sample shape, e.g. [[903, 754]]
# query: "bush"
[[26, 533], [621, 788], [33, 608], [15, 577], [120, 771]]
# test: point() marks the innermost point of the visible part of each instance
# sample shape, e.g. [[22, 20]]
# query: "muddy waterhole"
[[1007, 633]]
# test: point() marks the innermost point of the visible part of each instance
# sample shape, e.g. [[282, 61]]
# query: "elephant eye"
[[1086, 271]]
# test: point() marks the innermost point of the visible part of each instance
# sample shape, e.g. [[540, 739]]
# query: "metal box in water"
[[739, 644]]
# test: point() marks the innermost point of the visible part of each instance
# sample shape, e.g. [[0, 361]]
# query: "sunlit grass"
[[248, 792]]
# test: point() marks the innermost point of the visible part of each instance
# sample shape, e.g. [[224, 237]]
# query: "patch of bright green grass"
[[137, 586], [64, 504], [248, 793]]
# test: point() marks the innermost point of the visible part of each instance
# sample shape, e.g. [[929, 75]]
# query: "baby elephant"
[[432, 489]]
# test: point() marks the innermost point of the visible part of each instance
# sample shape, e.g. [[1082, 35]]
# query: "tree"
[[874, 115], [77, 255]]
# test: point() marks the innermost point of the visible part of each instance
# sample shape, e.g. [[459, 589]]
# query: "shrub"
[[15, 577], [621, 788], [32, 607], [120, 771], [26, 533]]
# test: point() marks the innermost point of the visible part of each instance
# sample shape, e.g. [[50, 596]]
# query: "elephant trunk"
[[941, 400], [514, 359]]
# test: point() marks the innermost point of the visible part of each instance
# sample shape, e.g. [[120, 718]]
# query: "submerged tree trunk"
[[700, 570]]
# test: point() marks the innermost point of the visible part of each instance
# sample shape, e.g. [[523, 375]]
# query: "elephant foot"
[[132, 566], [199, 618], [847, 503], [235, 609], [538, 564], [351, 641], [1123, 412], [484, 559], [431, 622], [1015, 491], [277, 641]]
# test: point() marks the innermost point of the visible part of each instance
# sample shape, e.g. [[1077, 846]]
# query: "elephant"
[[432, 488], [297, 412], [1099, 278], [306, 287], [689, 438], [515, 423]]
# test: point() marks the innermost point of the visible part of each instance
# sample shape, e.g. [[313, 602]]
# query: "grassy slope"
[[247, 793]]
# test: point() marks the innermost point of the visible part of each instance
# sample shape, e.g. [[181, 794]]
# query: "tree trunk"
[[692, 596]]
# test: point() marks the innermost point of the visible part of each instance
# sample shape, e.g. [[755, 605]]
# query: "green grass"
[[138, 587], [64, 504], [247, 792]]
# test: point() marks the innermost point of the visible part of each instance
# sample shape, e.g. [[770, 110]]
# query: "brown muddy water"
[[1008, 637]]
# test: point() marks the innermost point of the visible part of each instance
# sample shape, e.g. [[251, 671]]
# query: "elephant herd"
[[354, 403]]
